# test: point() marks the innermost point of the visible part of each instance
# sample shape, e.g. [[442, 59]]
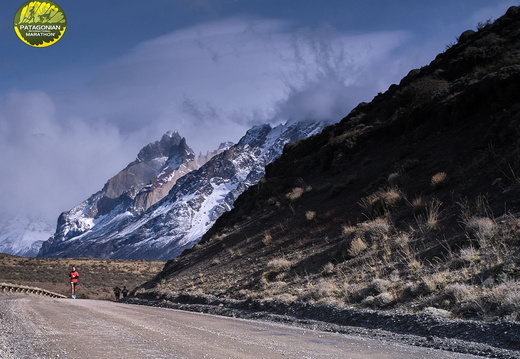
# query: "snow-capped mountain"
[[24, 235], [124, 229], [141, 184]]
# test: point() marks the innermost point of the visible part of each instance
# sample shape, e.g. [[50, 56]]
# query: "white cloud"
[[46, 166], [213, 81], [210, 82], [332, 73]]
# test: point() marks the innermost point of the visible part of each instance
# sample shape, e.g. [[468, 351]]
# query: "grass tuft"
[[439, 180]]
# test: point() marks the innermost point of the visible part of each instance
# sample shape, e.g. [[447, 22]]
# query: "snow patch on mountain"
[[179, 220]]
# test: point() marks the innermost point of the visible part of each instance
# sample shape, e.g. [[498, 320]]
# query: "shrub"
[[432, 213], [430, 219], [328, 269], [279, 264], [439, 180], [310, 215], [469, 254], [357, 247], [324, 289], [275, 270], [427, 286], [377, 227], [482, 228], [285, 298], [391, 197], [321, 290], [483, 24], [348, 230], [295, 193], [379, 286], [268, 239], [507, 298], [419, 206], [382, 201], [414, 265], [402, 240], [352, 292], [458, 292]]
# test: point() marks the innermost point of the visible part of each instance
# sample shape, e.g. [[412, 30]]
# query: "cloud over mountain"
[[211, 82]]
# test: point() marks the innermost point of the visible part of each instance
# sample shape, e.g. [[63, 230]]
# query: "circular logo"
[[40, 23]]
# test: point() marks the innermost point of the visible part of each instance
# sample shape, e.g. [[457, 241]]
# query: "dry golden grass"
[[295, 193], [279, 264], [433, 211], [321, 290], [384, 261], [439, 180], [419, 206], [348, 230], [357, 247], [98, 277], [482, 228], [378, 227], [382, 201], [267, 239], [310, 215]]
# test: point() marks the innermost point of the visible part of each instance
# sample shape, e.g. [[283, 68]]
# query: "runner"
[[74, 275]]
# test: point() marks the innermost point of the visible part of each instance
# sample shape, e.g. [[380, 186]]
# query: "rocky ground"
[[492, 340]]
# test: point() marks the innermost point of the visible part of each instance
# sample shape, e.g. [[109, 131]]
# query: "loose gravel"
[[15, 330]]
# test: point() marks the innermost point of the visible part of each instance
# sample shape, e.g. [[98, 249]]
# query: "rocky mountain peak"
[[255, 135], [170, 145], [174, 209], [171, 151]]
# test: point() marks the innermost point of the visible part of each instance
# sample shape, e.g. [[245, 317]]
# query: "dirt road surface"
[[38, 327]]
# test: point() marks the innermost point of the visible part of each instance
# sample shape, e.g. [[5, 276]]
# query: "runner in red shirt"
[[74, 275]]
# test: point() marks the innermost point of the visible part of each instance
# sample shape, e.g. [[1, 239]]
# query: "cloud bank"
[[213, 81], [46, 165], [210, 82]]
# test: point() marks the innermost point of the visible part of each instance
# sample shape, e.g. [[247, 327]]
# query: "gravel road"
[[38, 327]]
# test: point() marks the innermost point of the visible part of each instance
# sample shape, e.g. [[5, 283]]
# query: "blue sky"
[[75, 113]]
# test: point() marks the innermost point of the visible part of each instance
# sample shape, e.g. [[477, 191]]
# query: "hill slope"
[[410, 202]]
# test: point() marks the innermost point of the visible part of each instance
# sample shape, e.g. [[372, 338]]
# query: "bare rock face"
[[160, 186], [168, 154]]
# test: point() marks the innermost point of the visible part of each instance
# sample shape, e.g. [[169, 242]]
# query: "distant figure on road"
[[117, 292], [124, 291], [74, 275]]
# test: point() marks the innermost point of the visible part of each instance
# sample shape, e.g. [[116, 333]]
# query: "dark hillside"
[[411, 202]]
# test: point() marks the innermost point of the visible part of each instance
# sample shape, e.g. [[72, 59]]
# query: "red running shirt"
[[74, 276]]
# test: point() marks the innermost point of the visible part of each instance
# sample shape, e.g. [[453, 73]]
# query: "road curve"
[[40, 327]]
